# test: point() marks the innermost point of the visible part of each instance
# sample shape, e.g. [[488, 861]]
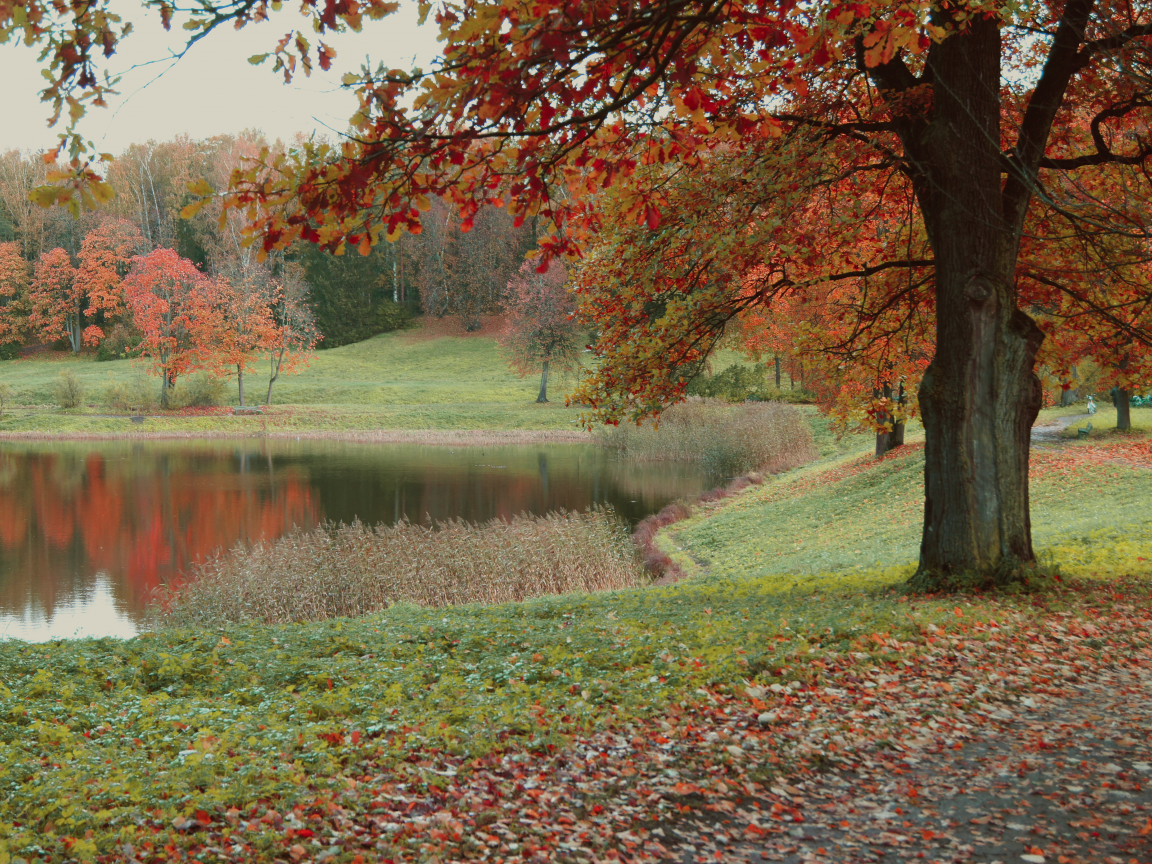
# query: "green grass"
[[1104, 424], [393, 381], [805, 527]]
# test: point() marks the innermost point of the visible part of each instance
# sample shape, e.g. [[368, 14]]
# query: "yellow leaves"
[[192, 209], [257, 59], [201, 187], [48, 196], [422, 202]]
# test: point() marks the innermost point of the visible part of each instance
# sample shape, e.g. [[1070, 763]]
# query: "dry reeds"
[[726, 439], [350, 570]]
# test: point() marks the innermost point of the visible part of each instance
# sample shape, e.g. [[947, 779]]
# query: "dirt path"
[[1065, 779], [1050, 434]]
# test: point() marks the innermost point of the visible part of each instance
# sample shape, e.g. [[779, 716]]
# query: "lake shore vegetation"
[[342, 571], [726, 439]]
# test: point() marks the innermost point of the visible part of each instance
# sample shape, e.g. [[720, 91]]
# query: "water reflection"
[[89, 530]]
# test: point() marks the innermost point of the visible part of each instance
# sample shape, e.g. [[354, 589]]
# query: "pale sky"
[[214, 90]]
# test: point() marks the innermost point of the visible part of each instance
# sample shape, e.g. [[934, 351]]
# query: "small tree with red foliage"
[[245, 296], [13, 293], [58, 301], [542, 332], [176, 307], [106, 254]]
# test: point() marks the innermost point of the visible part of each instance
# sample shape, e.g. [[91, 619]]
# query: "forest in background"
[[442, 271]]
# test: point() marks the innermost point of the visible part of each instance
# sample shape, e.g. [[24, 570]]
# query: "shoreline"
[[431, 437]]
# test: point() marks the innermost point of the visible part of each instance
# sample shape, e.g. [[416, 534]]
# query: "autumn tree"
[[467, 273], [106, 255], [541, 332], [991, 120], [14, 282], [57, 301], [177, 308], [244, 296]]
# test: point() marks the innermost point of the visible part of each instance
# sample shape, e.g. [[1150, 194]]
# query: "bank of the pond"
[[430, 437]]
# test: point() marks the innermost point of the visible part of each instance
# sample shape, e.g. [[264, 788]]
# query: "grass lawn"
[[393, 381], [852, 515]]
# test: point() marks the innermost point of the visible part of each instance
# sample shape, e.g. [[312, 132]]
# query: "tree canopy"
[[969, 174]]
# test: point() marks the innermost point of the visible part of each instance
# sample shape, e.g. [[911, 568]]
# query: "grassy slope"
[[868, 521], [395, 380]]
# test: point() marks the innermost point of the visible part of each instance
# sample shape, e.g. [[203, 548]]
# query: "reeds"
[[725, 439], [351, 570]]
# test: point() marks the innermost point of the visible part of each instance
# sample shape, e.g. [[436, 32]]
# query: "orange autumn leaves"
[[58, 298], [192, 321]]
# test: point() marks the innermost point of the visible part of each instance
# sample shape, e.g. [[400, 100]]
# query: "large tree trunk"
[[1123, 409], [979, 396], [543, 397]]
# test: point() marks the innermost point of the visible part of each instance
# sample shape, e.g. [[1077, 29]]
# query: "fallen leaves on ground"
[[1002, 730]]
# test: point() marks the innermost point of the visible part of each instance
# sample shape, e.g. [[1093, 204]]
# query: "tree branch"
[[1104, 154], [1063, 62]]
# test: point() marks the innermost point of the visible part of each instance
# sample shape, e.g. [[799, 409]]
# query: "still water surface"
[[88, 530]]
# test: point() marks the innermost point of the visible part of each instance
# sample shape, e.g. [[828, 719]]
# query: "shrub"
[[350, 570], [68, 390], [199, 391], [121, 342], [724, 439], [735, 384], [10, 351], [136, 394], [739, 383]]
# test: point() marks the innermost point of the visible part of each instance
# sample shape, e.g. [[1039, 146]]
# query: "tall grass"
[[351, 570], [725, 439]]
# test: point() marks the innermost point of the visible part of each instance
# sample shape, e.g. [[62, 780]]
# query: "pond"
[[88, 530]]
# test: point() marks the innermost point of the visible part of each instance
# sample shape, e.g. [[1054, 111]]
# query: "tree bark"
[[543, 397], [979, 395], [777, 359], [888, 441], [1123, 410], [274, 361], [167, 384], [240, 381]]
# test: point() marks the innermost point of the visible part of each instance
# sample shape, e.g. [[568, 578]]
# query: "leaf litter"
[[1006, 730]]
